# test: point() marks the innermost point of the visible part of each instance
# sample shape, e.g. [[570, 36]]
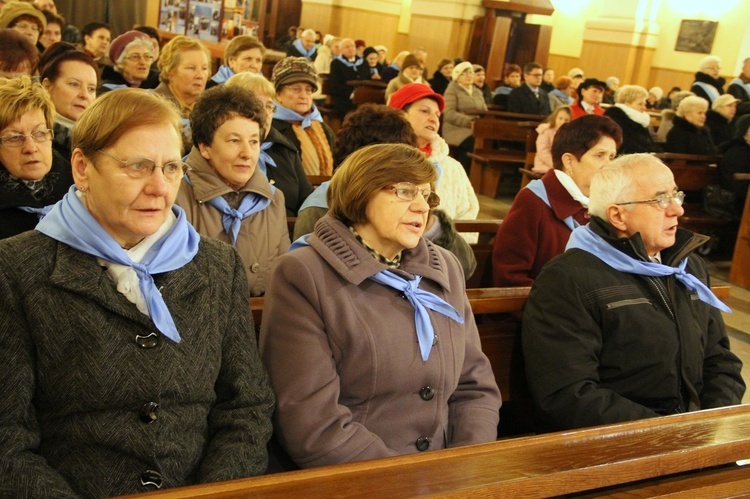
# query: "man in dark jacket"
[[529, 98], [622, 326]]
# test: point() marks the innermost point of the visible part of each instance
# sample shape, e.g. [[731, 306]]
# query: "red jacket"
[[576, 111], [532, 233]]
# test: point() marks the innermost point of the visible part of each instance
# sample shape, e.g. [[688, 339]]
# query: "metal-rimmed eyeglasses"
[[18, 139], [663, 200], [138, 57], [143, 167], [409, 192]]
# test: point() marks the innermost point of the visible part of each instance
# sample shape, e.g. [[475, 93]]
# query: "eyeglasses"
[[298, 89], [409, 192], [138, 57], [271, 108], [18, 139], [24, 26], [143, 167], [663, 200]]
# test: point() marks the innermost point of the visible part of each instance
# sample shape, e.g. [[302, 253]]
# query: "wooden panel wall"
[[440, 36]]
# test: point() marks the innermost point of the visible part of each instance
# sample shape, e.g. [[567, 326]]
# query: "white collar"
[[573, 189], [643, 119]]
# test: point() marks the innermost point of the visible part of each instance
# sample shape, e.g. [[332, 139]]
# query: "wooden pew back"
[[487, 229], [540, 466]]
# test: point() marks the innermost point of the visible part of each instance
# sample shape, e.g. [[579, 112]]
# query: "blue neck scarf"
[[354, 65], [745, 86], [251, 203], [317, 198], [223, 74], [302, 50], [71, 223], [285, 114], [421, 300], [710, 90], [562, 95], [39, 212], [537, 187], [587, 240], [265, 160]]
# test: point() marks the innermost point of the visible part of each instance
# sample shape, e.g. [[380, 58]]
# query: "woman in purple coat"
[[381, 355]]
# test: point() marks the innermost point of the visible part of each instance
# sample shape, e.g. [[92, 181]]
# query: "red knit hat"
[[119, 44], [412, 92]]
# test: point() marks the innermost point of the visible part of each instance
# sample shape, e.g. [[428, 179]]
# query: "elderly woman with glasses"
[[128, 359], [224, 194], [32, 176], [462, 101], [375, 373], [297, 118], [131, 54]]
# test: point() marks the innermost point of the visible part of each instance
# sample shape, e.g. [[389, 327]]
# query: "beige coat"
[[344, 360], [456, 120], [263, 236]]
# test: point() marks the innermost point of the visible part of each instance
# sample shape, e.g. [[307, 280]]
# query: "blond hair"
[[258, 84], [21, 95], [171, 54]]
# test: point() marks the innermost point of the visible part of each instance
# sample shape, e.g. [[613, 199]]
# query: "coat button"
[[427, 393], [435, 340], [148, 412], [423, 443], [151, 478], [148, 341], [254, 268]]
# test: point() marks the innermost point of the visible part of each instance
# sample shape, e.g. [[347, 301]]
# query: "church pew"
[[739, 272], [499, 148], [664, 455], [316, 180], [487, 229]]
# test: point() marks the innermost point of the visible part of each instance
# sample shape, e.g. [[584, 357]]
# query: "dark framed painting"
[[696, 36]]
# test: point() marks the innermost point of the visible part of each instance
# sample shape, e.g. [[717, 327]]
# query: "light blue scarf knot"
[[353, 65], [265, 160], [71, 223], [285, 114], [421, 300], [223, 74], [587, 240], [308, 54]]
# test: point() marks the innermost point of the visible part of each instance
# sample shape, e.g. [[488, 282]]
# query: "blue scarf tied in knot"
[[265, 160], [285, 114], [587, 240], [69, 222], [39, 212], [353, 65], [421, 300], [308, 54]]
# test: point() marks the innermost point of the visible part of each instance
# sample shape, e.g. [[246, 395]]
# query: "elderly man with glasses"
[[623, 326], [529, 98]]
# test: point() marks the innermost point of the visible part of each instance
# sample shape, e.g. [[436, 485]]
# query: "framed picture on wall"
[[696, 36]]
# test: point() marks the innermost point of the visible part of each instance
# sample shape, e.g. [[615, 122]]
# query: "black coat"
[[717, 83], [340, 92], [13, 193], [291, 51], [722, 131], [364, 73], [686, 138], [288, 175], [439, 82], [523, 100], [736, 159], [635, 138]]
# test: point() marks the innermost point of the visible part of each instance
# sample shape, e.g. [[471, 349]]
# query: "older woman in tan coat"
[[224, 194], [462, 100], [361, 368]]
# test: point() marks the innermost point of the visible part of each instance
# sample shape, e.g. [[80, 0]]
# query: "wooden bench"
[[487, 229], [367, 91], [499, 148], [739, 272], [646, 458]]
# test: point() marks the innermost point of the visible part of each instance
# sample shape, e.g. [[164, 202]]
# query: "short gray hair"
[[630, 93], [691, 103], [615, 183], [707, 61]]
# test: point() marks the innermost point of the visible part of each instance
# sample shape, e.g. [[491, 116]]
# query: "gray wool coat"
[[344, 360], [75, 382], [456, 120]]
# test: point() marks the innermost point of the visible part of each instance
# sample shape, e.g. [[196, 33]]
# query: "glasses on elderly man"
[[18, 139], [138, 57], [409, 192], [143, 167], [663, 200]]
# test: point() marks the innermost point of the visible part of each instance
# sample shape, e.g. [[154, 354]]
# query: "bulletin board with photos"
[[209, 20]]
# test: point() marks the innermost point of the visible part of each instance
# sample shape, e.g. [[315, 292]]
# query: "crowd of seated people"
[[125, 213]]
